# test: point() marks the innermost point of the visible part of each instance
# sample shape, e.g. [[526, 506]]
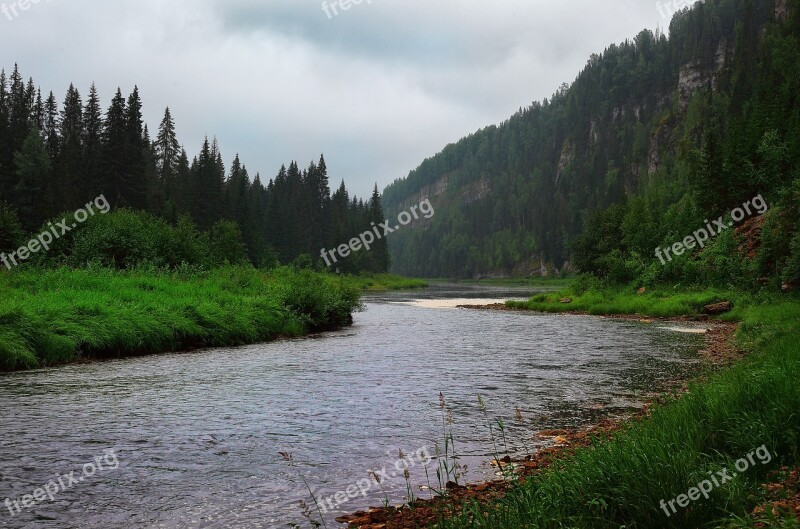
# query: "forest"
[[53, 159], [655, 136]]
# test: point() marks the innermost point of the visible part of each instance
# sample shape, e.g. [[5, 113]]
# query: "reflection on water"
[[198, 435]]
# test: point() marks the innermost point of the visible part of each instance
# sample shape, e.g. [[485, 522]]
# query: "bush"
[[791, 271], [127, 239], [226, 243]]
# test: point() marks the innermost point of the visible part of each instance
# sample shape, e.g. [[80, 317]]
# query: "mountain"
[[654, 135]]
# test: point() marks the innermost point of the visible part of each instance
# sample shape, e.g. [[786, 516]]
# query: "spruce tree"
[[379, 260], [134, 176], [70, 175], [168, 154], [51, 132], [92, 143], [114, 145]]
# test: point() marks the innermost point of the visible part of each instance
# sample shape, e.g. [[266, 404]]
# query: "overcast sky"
[[377, 88]]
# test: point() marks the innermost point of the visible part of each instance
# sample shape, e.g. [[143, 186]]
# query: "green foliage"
[[380, 282], [127, 239], [791, 271], [11, 234], [226, 244], [54, 316]]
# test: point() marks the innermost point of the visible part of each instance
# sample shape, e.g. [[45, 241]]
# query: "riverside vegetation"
[[127, 283], [621, 482]]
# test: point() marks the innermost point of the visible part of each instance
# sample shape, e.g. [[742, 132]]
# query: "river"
[[196, 437]]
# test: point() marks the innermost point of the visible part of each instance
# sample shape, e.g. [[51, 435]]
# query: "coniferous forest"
[[55, 158], [655, 136]]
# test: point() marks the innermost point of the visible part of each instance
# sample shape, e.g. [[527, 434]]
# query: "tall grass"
[[54, 316], [381, 282], [620, 482]]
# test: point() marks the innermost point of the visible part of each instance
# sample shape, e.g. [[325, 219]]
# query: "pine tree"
[[92, 143], [71, 178], [7, 178], [114, 145], [179, 192], [38, 112], [155, 197], [379, 260], [167, 153], [19, 112], [52, 137], [134, 177], [33, 174]]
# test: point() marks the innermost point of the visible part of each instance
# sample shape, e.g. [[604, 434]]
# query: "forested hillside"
[[655, 136], [55, 159]]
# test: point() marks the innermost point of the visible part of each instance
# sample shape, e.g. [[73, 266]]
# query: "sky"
[[377, 87]]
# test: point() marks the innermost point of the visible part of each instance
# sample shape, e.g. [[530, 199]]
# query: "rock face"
[[659, 141], [695, 75], [781, 10], [567, 156], [718, 308]]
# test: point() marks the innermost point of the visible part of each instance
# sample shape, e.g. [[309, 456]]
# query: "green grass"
[[379, 282], [50, 317], [658, 303], [620, 482]]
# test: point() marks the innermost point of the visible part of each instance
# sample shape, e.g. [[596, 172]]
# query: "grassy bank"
[[621, 482], [54, 316], [544, 282], [378, 282]]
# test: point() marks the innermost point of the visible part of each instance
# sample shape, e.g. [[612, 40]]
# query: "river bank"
[[620, 477], [52, 317]]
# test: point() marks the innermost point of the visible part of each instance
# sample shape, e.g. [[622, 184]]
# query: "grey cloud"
[[377, 88]]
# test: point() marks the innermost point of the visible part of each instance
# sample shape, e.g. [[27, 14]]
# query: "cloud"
[[377, 88]]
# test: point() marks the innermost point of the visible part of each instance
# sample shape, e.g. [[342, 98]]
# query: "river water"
[[196, 437]]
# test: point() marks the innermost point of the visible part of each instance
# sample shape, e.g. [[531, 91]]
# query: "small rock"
[[718, 308]]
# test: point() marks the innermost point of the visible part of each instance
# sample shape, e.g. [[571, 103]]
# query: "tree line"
[[55, 158]]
